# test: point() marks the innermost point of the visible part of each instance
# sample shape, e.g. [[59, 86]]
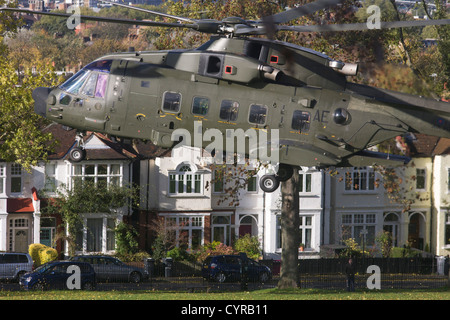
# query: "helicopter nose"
[[40, 96]]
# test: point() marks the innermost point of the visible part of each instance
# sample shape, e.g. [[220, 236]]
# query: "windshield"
[[74, 84], [43, 268]]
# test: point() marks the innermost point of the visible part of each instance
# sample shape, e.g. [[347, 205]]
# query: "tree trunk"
[[290, 240]]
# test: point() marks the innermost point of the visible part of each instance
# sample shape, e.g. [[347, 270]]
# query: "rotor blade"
[[105, 19], [308, 8], [364, 26], [148, 11]]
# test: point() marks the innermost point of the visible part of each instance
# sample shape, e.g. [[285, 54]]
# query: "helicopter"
[[236, 83]]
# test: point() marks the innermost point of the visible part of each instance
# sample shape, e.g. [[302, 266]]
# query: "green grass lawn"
[[267, 294]]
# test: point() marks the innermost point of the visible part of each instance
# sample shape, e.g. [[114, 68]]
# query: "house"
[[362, 205], [193, 197], [23, 194]]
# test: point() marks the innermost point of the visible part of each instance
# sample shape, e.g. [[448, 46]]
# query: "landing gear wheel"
[[269, 183], [77, 154], [284, 172]]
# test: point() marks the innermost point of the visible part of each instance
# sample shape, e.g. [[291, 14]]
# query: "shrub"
[[126, 239], [250, 245], [41, 254], [178, 254], [212, 249]]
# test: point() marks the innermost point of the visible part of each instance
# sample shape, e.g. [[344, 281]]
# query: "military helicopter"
[[235, 81]]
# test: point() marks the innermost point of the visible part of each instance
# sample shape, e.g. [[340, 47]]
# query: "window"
[[360, 179], [306, 227], [447, 229], [99, 173], [252, 184], [171, 102], [50, 177], [2, 178], [16, 178], [48, 231], [218, 181], [229, 110], [304, 182], [278, 232], [93, 239], [200, 106], [358, 226], [420, 179], [185, 181], [185, 231], [448, 180], [301, 121], [257, 114]]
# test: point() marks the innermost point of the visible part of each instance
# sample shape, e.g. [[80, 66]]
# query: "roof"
[[19, 205], [100, 147]]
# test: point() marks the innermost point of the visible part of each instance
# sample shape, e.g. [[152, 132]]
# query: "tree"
[[86, 197], [23, 140], [290, 234]]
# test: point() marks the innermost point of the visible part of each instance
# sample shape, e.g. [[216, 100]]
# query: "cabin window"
[[301, 121], [172, 102], [229, 110], [200, 106], [257, 114]]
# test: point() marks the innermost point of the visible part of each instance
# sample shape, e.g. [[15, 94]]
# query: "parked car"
[[14, 264], [229, 268], [110, 269], [55, 275]]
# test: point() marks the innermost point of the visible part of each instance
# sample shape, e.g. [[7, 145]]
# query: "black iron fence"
[[407, 273]]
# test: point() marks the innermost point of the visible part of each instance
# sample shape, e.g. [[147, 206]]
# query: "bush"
[[178, 254], [250, 245], [126, 239], [212, 249], [132, 257], [41, 254]]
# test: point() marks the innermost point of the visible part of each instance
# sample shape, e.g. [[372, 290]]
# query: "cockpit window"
[[74, 84], [96, 84], [101, 65]]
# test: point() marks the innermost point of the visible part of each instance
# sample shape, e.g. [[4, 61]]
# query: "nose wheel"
[[78, 153], [271, 182]]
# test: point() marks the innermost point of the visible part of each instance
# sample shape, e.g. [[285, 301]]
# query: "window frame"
[[421, 178], [232, 115], [305, 125], [110, 176], [260, 106], [163, 105], [359, 174], [191, 182], [2, 178], [16, 175], [356, 221], [207, 108]]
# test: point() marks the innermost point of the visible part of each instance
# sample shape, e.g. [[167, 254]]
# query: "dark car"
[[230, 267], [56, 274], [110, 269]]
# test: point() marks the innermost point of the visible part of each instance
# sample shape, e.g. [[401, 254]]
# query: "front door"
[[19, 233]]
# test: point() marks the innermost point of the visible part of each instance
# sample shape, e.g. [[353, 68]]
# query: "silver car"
[[14, 264], [109, 269]]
